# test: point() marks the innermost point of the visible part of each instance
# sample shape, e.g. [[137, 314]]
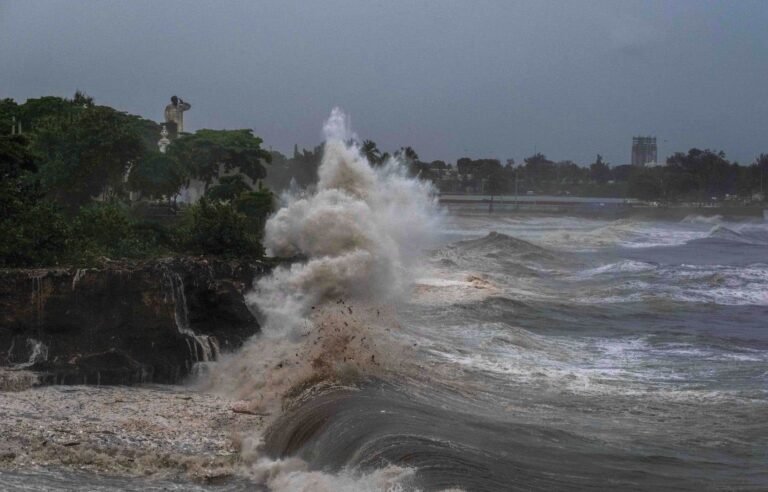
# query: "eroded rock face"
[[126, 322]]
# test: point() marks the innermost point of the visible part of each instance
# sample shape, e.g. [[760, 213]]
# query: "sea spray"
[[361, 230]]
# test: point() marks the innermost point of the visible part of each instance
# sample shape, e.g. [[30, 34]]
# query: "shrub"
[[219, 229], [34, 235], [106, 230], [228, 188], [257, 206]]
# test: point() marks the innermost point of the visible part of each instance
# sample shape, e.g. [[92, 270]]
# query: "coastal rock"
[[124, 322]]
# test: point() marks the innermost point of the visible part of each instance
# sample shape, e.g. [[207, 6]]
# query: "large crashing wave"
[[324, 318], [361, 231]]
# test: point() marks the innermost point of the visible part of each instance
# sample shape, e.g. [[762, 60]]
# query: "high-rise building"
[[643, 150]]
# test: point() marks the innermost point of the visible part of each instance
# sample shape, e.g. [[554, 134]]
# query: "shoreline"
[[159, 431]]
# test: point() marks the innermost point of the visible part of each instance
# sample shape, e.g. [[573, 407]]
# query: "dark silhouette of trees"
[[371, 152], [538, 171], [599, 170], [86, 153], [157, 176], [206, 153]]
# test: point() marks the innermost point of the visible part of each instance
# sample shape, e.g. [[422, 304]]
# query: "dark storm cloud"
[[480, 78]]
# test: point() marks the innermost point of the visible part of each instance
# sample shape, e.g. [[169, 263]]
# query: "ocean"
[[557, 353]]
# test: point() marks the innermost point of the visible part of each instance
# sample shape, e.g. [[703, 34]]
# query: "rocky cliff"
[[124, 322]]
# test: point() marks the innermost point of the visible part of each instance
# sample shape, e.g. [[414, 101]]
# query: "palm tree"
[[371, 152], [407, 154]]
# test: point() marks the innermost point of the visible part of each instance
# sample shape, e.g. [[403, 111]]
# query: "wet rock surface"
[[124, 322]]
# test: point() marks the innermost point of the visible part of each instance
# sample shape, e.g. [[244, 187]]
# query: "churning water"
[[414, 349], [559, 353], [522, 352]]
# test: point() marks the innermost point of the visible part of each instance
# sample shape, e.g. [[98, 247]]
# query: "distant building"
[[643, 150]]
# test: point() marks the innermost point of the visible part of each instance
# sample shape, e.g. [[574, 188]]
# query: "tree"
[[102, 229], [15, 158], [228, 188], [257, 206], [218, 228], [623, 172], [371, 152], [708, 169], [497, 182], [82, 99], [35, 235], [646, 184], [8, 115], [539, 170], [599, 170], [157, 176], [407, 154], [761, 165], [86, 155], [568, 172], [37, 111], [410, 159], [33, 232], [208, 152]]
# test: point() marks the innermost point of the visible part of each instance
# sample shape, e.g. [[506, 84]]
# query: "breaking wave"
[[361, 230], [324, 318], [499, 250], [744, 234], [702, 219]]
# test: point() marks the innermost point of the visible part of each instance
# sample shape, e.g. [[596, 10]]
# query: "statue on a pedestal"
[[174, 113]]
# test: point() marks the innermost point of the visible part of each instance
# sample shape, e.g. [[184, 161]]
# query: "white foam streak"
[[293, 474]]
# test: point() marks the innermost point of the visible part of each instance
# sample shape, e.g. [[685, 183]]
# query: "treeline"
[[71, 173], [701, 176], [695, 176]]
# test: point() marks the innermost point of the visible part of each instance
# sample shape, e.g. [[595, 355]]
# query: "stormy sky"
[[481, 78]]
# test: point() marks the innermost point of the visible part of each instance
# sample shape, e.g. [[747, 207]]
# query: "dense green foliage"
[[32, 230], [87, 154], [64, 193], [228, 188], [209, 152], [217, 228], [698, 176], [157, 176]]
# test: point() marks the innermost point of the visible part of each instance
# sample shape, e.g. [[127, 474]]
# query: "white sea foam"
[[360, 234], [710, 284], [702, 219], [627, 233], [361, 230], [294, 475], [624, 266]]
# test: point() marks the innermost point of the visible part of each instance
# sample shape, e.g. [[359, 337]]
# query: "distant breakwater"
[[593, 206]]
